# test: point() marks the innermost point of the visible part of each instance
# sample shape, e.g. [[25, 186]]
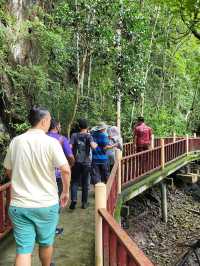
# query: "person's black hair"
[[36, 114], [53, 124], [140, 119], [82, 124]]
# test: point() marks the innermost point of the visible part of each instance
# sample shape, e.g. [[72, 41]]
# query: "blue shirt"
[[99, 155]]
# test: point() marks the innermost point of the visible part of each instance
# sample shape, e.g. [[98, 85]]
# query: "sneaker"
[[72, 205], [85, 205], [59, 231]]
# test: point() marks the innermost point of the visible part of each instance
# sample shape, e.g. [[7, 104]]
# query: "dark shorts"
[[99, 173]]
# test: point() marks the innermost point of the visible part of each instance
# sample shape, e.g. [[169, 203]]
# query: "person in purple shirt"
[[54, 132]]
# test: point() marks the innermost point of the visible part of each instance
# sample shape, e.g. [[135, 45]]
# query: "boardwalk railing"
[[5, 224], [139, 164], [116, 247], [112, 189]]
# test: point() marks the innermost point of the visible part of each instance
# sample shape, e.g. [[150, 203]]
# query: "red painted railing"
[[5, 224], [128, 149], [112, 189], [175, 150], [194, 144], [119, 249], [139, 164]]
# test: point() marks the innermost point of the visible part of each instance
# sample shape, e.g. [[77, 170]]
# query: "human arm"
[[68, 152], [60, 161], [150, 134], [66, 177], [93, 144]]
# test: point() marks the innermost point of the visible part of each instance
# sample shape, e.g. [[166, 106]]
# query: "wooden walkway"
[[75, 247], [134, 173]]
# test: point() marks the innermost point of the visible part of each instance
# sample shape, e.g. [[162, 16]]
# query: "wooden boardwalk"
[[75, 247], [131, 175]]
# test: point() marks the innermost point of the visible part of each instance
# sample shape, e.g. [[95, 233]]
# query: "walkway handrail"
[[112, 236], [112, 189], [140, 164], [5, 224], [119, 248]]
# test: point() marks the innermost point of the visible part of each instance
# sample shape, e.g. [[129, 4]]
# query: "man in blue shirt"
[[100, 167]]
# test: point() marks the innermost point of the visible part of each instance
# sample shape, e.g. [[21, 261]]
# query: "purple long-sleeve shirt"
[[65, 145], [64, 142]]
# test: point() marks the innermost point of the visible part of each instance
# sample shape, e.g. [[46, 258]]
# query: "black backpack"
[[82, 148]]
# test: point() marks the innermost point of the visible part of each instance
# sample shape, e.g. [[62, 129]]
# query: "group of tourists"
[[44, 166], [91, 155]]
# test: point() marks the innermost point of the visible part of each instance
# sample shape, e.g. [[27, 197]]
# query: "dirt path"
[[75, 247]]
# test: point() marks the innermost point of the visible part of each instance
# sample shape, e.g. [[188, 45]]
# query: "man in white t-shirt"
[[30, 163]]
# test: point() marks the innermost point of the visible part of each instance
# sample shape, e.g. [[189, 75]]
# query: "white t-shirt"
[[33, 157]]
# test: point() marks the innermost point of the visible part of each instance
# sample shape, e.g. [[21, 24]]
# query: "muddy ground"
[[162, 243]]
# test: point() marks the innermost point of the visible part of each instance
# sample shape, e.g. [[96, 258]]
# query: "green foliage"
[[157, 60]]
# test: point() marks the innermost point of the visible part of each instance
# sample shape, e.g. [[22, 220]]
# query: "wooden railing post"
[[195, 135], [187, 144], [152, 141], [162, 143], [118, 156], [174, 137], [100, 202]]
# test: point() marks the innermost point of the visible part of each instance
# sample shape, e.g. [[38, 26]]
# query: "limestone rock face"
[[20, 48]]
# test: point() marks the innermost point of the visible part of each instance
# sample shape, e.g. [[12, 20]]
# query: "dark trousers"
[[100, 172], [143, 147], [80, 175]]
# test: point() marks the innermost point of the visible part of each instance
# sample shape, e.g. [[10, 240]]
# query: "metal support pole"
[[100, 202], [164, 201]]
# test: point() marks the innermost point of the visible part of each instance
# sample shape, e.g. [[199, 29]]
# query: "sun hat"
[[100, 126]]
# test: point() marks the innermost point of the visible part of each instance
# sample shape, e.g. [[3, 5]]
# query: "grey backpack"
[[82, 146]]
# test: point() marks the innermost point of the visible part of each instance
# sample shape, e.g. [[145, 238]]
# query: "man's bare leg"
[[23, 260], [45, 254]]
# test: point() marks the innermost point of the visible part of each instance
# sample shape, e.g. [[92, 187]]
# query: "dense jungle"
[[81, 58]]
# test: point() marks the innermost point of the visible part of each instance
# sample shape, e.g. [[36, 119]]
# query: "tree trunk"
[[81, 76]]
